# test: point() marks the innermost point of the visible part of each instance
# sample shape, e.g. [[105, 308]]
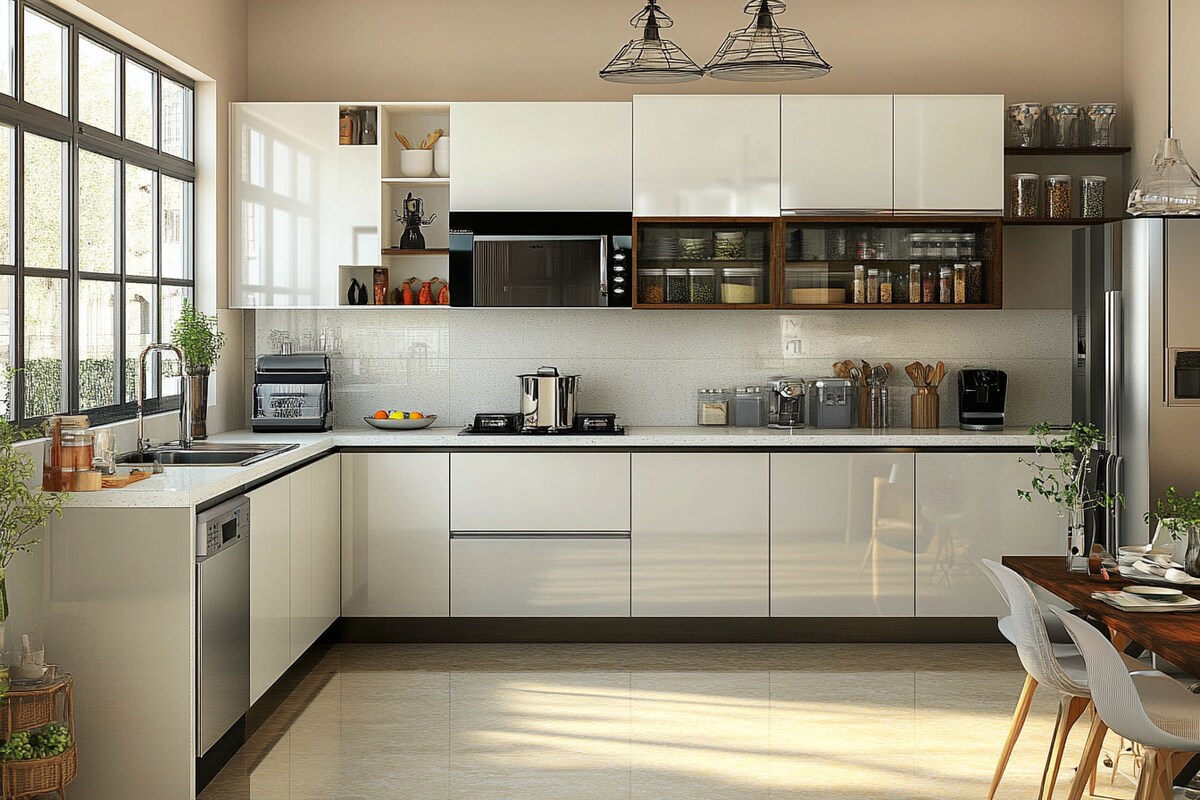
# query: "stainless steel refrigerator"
[[1136, 369]]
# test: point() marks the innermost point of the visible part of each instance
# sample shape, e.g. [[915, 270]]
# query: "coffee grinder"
[[413, 218]]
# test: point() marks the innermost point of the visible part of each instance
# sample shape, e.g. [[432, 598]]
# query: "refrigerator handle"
[[1113, 377], [1116, 466]]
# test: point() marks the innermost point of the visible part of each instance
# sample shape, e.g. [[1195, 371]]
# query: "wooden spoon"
[[939, 373]]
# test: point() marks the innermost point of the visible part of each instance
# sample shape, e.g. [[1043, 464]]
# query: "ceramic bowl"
[[401, 424]]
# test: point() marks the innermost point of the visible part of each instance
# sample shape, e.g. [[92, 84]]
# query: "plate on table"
[[1131, 573], [401, 424], [1161, 594]]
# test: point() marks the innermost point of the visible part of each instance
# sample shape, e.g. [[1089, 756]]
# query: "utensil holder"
[[416, 163], [925, 408]]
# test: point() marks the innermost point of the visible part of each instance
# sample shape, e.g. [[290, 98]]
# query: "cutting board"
[[121, 481]]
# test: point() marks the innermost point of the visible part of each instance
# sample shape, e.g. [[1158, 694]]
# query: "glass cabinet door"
[[704, 264]]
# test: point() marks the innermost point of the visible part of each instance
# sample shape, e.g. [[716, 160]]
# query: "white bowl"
[[416, 163], [401, 424]]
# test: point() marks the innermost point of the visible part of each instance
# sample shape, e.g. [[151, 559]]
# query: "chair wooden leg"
[[1148, 777], [1087, 762], [1069, 710], [1024, 700], [1166, 776]]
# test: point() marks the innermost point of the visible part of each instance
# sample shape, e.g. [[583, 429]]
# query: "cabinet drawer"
[[539, 575], [539, 492]]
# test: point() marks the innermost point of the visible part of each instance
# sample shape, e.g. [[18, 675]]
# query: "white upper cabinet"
[[949, 153], [836, 152], [706, 155], [541, 156], [301, 205]]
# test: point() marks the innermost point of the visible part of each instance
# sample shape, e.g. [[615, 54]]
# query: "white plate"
[[1131, 573], [401, 424], [1161, 593]]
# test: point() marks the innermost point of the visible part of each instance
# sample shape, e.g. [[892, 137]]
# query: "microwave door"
[[523, 272]]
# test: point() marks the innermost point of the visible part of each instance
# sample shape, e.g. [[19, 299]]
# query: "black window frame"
[[25, 117]]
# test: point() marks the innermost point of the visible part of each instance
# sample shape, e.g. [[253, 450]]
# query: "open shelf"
[[1066, 151], [396, 251], [419, 181], [1073, 221], [891, 306]]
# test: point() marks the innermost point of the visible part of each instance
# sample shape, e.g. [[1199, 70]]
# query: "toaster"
[[293, 393], [831, 403]]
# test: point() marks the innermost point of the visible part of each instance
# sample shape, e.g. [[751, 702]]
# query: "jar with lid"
[[886, 287], [1091, 195], [917, 243], [945, 285], [872, 285], [960, 283], [974, 281], [749, 407], [676, 283], [743, 285], [651, 286], [1063, 124], [1023, 195], [950, 245], [929, 285], [934, 246], [900, 287], [966, 245], [712, 407], [702, 285], [1100, 119], [1058, 196], [914, 283], [860, 283]]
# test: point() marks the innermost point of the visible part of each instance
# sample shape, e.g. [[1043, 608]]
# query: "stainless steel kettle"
[[548, 400]]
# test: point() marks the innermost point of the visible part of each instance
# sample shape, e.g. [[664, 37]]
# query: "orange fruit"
[[416, 415], [381, 415]]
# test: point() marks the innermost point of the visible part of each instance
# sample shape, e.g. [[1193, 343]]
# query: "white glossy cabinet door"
[[315, 551], [509, 575], [842, 534], [836, 152], [395, 534], [706, 155], [949, 153], [542, 156], [539, 492], [270, 584], [301, 205], [700, 537], [968, 510], [303, 619]]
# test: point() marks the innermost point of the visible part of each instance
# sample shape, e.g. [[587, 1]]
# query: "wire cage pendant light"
[[651, 59], [763, 51]]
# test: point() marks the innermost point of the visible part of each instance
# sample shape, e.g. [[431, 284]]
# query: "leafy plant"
[[1177, 512], [196, 334], [1065, 483]]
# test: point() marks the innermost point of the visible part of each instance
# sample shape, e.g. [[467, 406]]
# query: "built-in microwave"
[[541, 259]]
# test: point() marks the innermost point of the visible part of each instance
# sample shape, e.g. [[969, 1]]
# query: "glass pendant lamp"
[[763, 51], [651, 59]]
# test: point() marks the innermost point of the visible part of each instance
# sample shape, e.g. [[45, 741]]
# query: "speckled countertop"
[[192, 486]]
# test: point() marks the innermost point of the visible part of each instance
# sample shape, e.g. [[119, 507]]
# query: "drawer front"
[[539, 492], [513, 575]]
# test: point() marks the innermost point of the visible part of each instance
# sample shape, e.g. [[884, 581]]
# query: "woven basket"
[[20, 779], [29, 709]]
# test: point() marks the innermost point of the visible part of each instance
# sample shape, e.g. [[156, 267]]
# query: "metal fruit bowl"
[[401, 424]]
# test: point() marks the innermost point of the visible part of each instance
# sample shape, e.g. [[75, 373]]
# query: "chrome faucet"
[[185, 423]]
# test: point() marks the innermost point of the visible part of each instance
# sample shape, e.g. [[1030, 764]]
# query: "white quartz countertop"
[[193, 486]]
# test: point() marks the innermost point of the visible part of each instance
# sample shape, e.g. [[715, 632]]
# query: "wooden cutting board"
[[121, 481]]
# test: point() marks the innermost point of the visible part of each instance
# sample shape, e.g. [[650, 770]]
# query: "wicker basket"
[[29, 709], [20, 779]]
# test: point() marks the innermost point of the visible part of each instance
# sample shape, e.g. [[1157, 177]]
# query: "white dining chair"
[[1148, 707]]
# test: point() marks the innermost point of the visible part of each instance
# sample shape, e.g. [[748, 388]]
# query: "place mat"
[[1128, 602]]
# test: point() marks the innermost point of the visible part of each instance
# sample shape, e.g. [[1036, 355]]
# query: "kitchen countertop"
[[182, 487]]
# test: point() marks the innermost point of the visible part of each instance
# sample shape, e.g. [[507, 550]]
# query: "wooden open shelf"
[[1066, 151], [1073, 221], [396, 251]]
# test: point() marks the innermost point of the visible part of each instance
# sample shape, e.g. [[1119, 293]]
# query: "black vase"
[[362, 294], [352, 292]]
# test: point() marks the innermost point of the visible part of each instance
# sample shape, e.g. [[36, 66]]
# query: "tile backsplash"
[[647, 365]]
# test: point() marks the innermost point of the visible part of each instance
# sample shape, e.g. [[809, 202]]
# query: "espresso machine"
[[787, 403], [413, 218], [982, 394]]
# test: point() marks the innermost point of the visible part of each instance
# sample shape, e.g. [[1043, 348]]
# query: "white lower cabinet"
[[316, 543], [395, 534], [270, 584], [968, 510], [700, 535], [842, 535], [539, 575]]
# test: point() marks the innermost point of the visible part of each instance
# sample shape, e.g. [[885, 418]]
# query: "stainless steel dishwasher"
[[222, 620]]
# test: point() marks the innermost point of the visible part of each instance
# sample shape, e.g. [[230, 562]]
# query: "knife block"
[[925, 407]]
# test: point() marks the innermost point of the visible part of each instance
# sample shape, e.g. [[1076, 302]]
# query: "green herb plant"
[[1065, 482], [1177, 512], [196, 334]]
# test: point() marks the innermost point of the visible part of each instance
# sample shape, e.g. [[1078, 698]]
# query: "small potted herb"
[[1066, 482], [196, 335], [1179, 514]]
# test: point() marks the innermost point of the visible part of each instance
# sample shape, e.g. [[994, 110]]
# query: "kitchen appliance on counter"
[[293, 393], [982, 395], [413, 218], [541, 260], [548, 400], [831, 403], [787, 403], [504, 423]]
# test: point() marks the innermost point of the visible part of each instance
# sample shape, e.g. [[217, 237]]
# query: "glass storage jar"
[[914, 283], [974, 281], [651, 286], [1025, 124], [872, 285], [917, 242], [929, 285], [1100, 119], [1023, 195], [886, 287], [676, 283], [950, 245], [702, 285], [743, 285], [860, 284], [1063, 124], [934, 246], [960, 283], [712, 407], [966, 245], [945, 285], [1091, 195], [900, 287], [1058, 196]]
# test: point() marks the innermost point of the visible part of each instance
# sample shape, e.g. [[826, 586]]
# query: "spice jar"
[[702, 285], [960, 283], [1022, 195], [712, 407], [872, 286], [651, 286], [945, 285], [676, 282], [974, 282], [1091, 195], [860, 284], [885, 286], [900, 287], [914, 283], [929, 285], [1058, 196]]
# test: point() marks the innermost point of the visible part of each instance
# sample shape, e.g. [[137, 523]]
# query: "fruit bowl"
[[401, 424]]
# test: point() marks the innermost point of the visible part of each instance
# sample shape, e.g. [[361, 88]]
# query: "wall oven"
[[540, 260]]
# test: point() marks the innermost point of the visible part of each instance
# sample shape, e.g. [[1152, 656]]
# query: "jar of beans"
[[960, 283], [1058, 196], [1091, 195], [872, 285], [651, 287], [929, 285], [860, 284], [914, 283], [886, 287], [702, 285], [946, 285], [676, 283], [1023, 195], [974, 282]]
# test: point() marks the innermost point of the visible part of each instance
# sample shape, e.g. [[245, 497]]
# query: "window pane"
[[140, 103], [7, 342], [6, 195], [44, 340], [45, 62], [98, 331], [7, 38], [176, 228], [139, 220], [99, 85], [98, 202], [176, 119], [172, 306], [140, 330], [44, 208]]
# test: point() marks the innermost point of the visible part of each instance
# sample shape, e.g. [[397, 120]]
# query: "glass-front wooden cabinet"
[[705, 263]]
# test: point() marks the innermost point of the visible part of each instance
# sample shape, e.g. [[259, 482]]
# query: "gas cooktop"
[[504, 424]]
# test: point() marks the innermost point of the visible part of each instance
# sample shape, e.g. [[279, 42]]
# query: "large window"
[[96, 215]]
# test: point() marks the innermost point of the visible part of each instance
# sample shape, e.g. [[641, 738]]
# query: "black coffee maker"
[[413, 218], [982, 394]]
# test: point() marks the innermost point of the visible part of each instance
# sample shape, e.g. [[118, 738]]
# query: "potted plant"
[[1066, 482], [1179, 514], [196, 335]]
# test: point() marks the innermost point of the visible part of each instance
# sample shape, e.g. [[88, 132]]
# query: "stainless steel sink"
[[206, 455]]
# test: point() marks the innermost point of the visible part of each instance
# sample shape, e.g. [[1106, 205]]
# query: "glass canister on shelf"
[[960, 283], [651, 286], [966, 245], [1058, 196], [1101, 124], [872, 285], [702, 285], [886, 287], [929, 285], [974, 281], [934, 246], [712, 407], [950, 243], [1063, 124], [1023, 195], [917, 244], [914, 283], [860, 283], [945, 285], [742, 285], [900, 287], [1091, 195], [676, 286], [1025, 125]]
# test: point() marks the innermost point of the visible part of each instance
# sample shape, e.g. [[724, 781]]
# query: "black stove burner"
[[504, 424]]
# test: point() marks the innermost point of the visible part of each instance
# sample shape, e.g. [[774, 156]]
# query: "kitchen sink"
[[206, 455]]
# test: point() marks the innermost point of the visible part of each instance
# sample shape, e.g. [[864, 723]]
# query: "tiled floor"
[[650, 722]]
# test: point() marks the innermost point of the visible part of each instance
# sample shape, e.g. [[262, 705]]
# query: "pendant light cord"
[[1170, 69]]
